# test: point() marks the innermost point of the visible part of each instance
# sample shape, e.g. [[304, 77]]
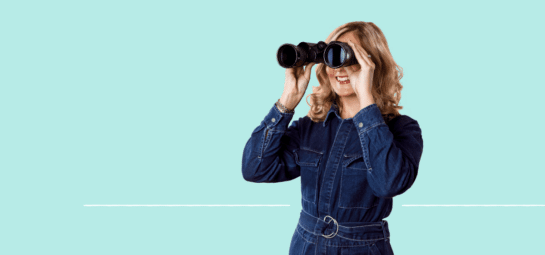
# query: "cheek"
[[356, 67], [330, 72]]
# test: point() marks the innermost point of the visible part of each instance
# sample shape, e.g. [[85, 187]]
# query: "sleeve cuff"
[[367, 118], [277, 120]]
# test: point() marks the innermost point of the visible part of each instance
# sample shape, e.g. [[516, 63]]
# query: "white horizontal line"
[[473, 205], [186, 205]]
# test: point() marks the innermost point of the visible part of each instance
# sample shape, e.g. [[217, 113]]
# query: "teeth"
[[342, 78]]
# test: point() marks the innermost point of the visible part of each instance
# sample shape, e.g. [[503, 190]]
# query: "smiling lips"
[[342, 79]]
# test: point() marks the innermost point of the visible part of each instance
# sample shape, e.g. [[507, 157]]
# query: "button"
[[361, 124], [273, 120]]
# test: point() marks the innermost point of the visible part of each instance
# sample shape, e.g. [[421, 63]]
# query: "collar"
[[332, 111]]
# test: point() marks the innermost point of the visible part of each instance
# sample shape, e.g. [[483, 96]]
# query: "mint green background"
[[99, 105]]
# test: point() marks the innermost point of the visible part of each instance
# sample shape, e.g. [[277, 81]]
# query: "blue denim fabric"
[[350, 170]]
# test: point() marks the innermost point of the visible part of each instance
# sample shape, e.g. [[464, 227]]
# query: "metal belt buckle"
[[333, 234]]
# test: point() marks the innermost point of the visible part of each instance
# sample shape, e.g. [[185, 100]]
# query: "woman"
[[353, 151]]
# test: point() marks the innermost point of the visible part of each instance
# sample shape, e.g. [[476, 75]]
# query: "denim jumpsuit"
[[350, 170]]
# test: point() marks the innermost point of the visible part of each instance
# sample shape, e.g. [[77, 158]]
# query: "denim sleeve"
[[391, 158], [268, 155]]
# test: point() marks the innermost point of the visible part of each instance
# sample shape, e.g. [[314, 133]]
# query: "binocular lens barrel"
[[335, 55], [339, 54], [289, 55]]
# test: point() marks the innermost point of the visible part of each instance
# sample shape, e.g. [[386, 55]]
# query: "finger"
[[362, 60], [357, 53], [289, 71], [299, 71], [366, 56], [308, 70]]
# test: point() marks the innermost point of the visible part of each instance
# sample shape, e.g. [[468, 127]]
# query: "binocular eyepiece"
[[336, 54]]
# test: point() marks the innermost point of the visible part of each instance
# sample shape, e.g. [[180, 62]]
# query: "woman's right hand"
[[295, 85]]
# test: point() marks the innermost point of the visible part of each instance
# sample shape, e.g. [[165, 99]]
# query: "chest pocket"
[[309, 161], [355, 191]]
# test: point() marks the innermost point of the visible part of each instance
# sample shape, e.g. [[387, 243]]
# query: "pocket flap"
[[305, 157], [354, 161]]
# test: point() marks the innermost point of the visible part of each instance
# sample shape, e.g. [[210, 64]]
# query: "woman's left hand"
[[361, 79]]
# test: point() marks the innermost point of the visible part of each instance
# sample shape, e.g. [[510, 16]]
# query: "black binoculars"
[[336, 54]]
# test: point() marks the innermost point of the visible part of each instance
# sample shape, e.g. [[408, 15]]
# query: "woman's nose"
[[340, 71]]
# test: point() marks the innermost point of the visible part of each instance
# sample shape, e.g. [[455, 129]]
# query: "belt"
[[330, 228]]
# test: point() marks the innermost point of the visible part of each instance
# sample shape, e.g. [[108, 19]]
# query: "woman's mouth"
[[342, 79]]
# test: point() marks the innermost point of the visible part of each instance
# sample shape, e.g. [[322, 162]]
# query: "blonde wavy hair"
[[386, 88]]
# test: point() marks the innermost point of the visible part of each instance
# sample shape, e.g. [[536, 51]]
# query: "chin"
[[340, 89], [346, 94]]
